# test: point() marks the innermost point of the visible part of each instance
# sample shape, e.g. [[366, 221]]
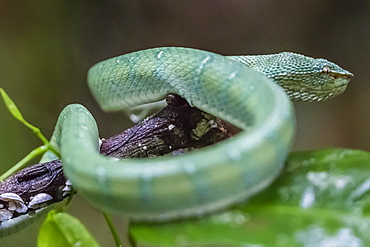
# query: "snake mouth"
[[337, 91], [318, 93], [337, 87]]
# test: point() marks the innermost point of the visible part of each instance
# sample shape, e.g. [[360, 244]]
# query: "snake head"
[[309, 79]]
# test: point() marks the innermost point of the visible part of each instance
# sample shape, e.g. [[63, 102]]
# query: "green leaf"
[[34, 153], [11, 106], [17, 114], [63, 230], [321, 199]]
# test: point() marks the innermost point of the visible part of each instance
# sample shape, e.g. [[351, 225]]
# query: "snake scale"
[[247, 91]]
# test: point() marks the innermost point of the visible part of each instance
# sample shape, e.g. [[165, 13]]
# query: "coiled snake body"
[[242, 90], [206, 179]]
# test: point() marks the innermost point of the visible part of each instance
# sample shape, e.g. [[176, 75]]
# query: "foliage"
[[61, 229], [321, 199]]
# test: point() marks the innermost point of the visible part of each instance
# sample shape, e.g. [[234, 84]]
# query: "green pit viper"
[[246, 91]]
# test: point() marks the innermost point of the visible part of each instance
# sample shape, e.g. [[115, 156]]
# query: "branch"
[[177, 128]]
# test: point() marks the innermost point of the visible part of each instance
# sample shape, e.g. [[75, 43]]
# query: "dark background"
[[46, 48]]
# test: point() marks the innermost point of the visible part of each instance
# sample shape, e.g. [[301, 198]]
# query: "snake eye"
[[326, 70]]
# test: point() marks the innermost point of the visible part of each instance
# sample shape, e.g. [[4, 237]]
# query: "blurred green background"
[[46, 48]]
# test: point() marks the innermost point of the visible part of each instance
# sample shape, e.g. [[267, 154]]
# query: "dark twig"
[[177, 128]]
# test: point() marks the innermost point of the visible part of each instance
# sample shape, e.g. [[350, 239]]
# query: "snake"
[[252, 92]]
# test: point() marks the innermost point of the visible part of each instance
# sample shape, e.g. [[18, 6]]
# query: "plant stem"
[[22, 163], [112, 229]]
